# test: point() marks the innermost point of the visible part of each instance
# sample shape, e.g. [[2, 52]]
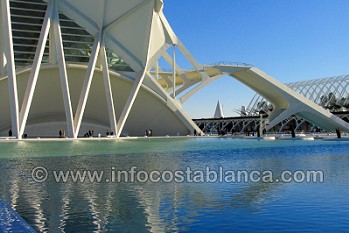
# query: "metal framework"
[[331, 93], [238, 125], [250, 125]]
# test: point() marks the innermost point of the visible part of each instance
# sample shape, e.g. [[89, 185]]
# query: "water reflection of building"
[[98, 207], [70, 207]]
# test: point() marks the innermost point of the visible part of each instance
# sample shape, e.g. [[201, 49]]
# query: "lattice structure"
[[232, 126], [331, 93], [250, 125]]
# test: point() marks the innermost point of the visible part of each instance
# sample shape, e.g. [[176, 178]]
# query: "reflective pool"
[[195, 203]]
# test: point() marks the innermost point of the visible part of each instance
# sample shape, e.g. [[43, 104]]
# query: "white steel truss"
[[11, 71]]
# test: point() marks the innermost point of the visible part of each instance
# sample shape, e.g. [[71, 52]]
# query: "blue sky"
[[292, 40]]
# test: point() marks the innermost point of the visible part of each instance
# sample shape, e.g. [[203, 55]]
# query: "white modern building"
[[80, 65]]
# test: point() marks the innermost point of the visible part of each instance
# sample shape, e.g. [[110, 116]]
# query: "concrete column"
[[11, 70], [87, 84], [63, 73], [34, 74], [174, 70], [52, 48], [130, 101], [108, 90], [2, 48]]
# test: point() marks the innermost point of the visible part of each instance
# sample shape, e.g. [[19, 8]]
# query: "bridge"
[[253, 124], [286, 102]]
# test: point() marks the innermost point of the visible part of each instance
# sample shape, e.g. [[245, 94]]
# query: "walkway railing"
[[230, 63]]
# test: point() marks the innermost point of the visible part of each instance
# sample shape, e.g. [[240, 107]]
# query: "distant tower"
[[243, 111], [219, 112]]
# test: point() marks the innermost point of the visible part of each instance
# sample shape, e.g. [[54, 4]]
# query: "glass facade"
[[27, 19]]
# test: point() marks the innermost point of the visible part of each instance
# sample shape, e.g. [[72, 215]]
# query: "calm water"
[[178, 207]]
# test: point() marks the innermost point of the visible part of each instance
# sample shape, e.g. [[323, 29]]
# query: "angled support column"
[[87, 84], [168, 82], [34, 74], [52, 47], [175, 107], [174, 70], [63, 73], [180, 45], [206, 80], [129, 103], [187, 82], [157, 70], [190, 57], [186, 85], [139, 80], [11, 70], [108, 90], [281, 116], [102, 61], [2, 47], [169, 61]]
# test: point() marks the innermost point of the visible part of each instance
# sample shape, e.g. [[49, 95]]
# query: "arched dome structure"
[[331, 93]]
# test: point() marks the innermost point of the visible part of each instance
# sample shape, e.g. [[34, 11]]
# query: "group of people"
[[148, 132], [89, 134], [109, 133]]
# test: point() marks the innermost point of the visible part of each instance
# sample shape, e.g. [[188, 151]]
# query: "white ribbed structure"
[[331, 93]]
